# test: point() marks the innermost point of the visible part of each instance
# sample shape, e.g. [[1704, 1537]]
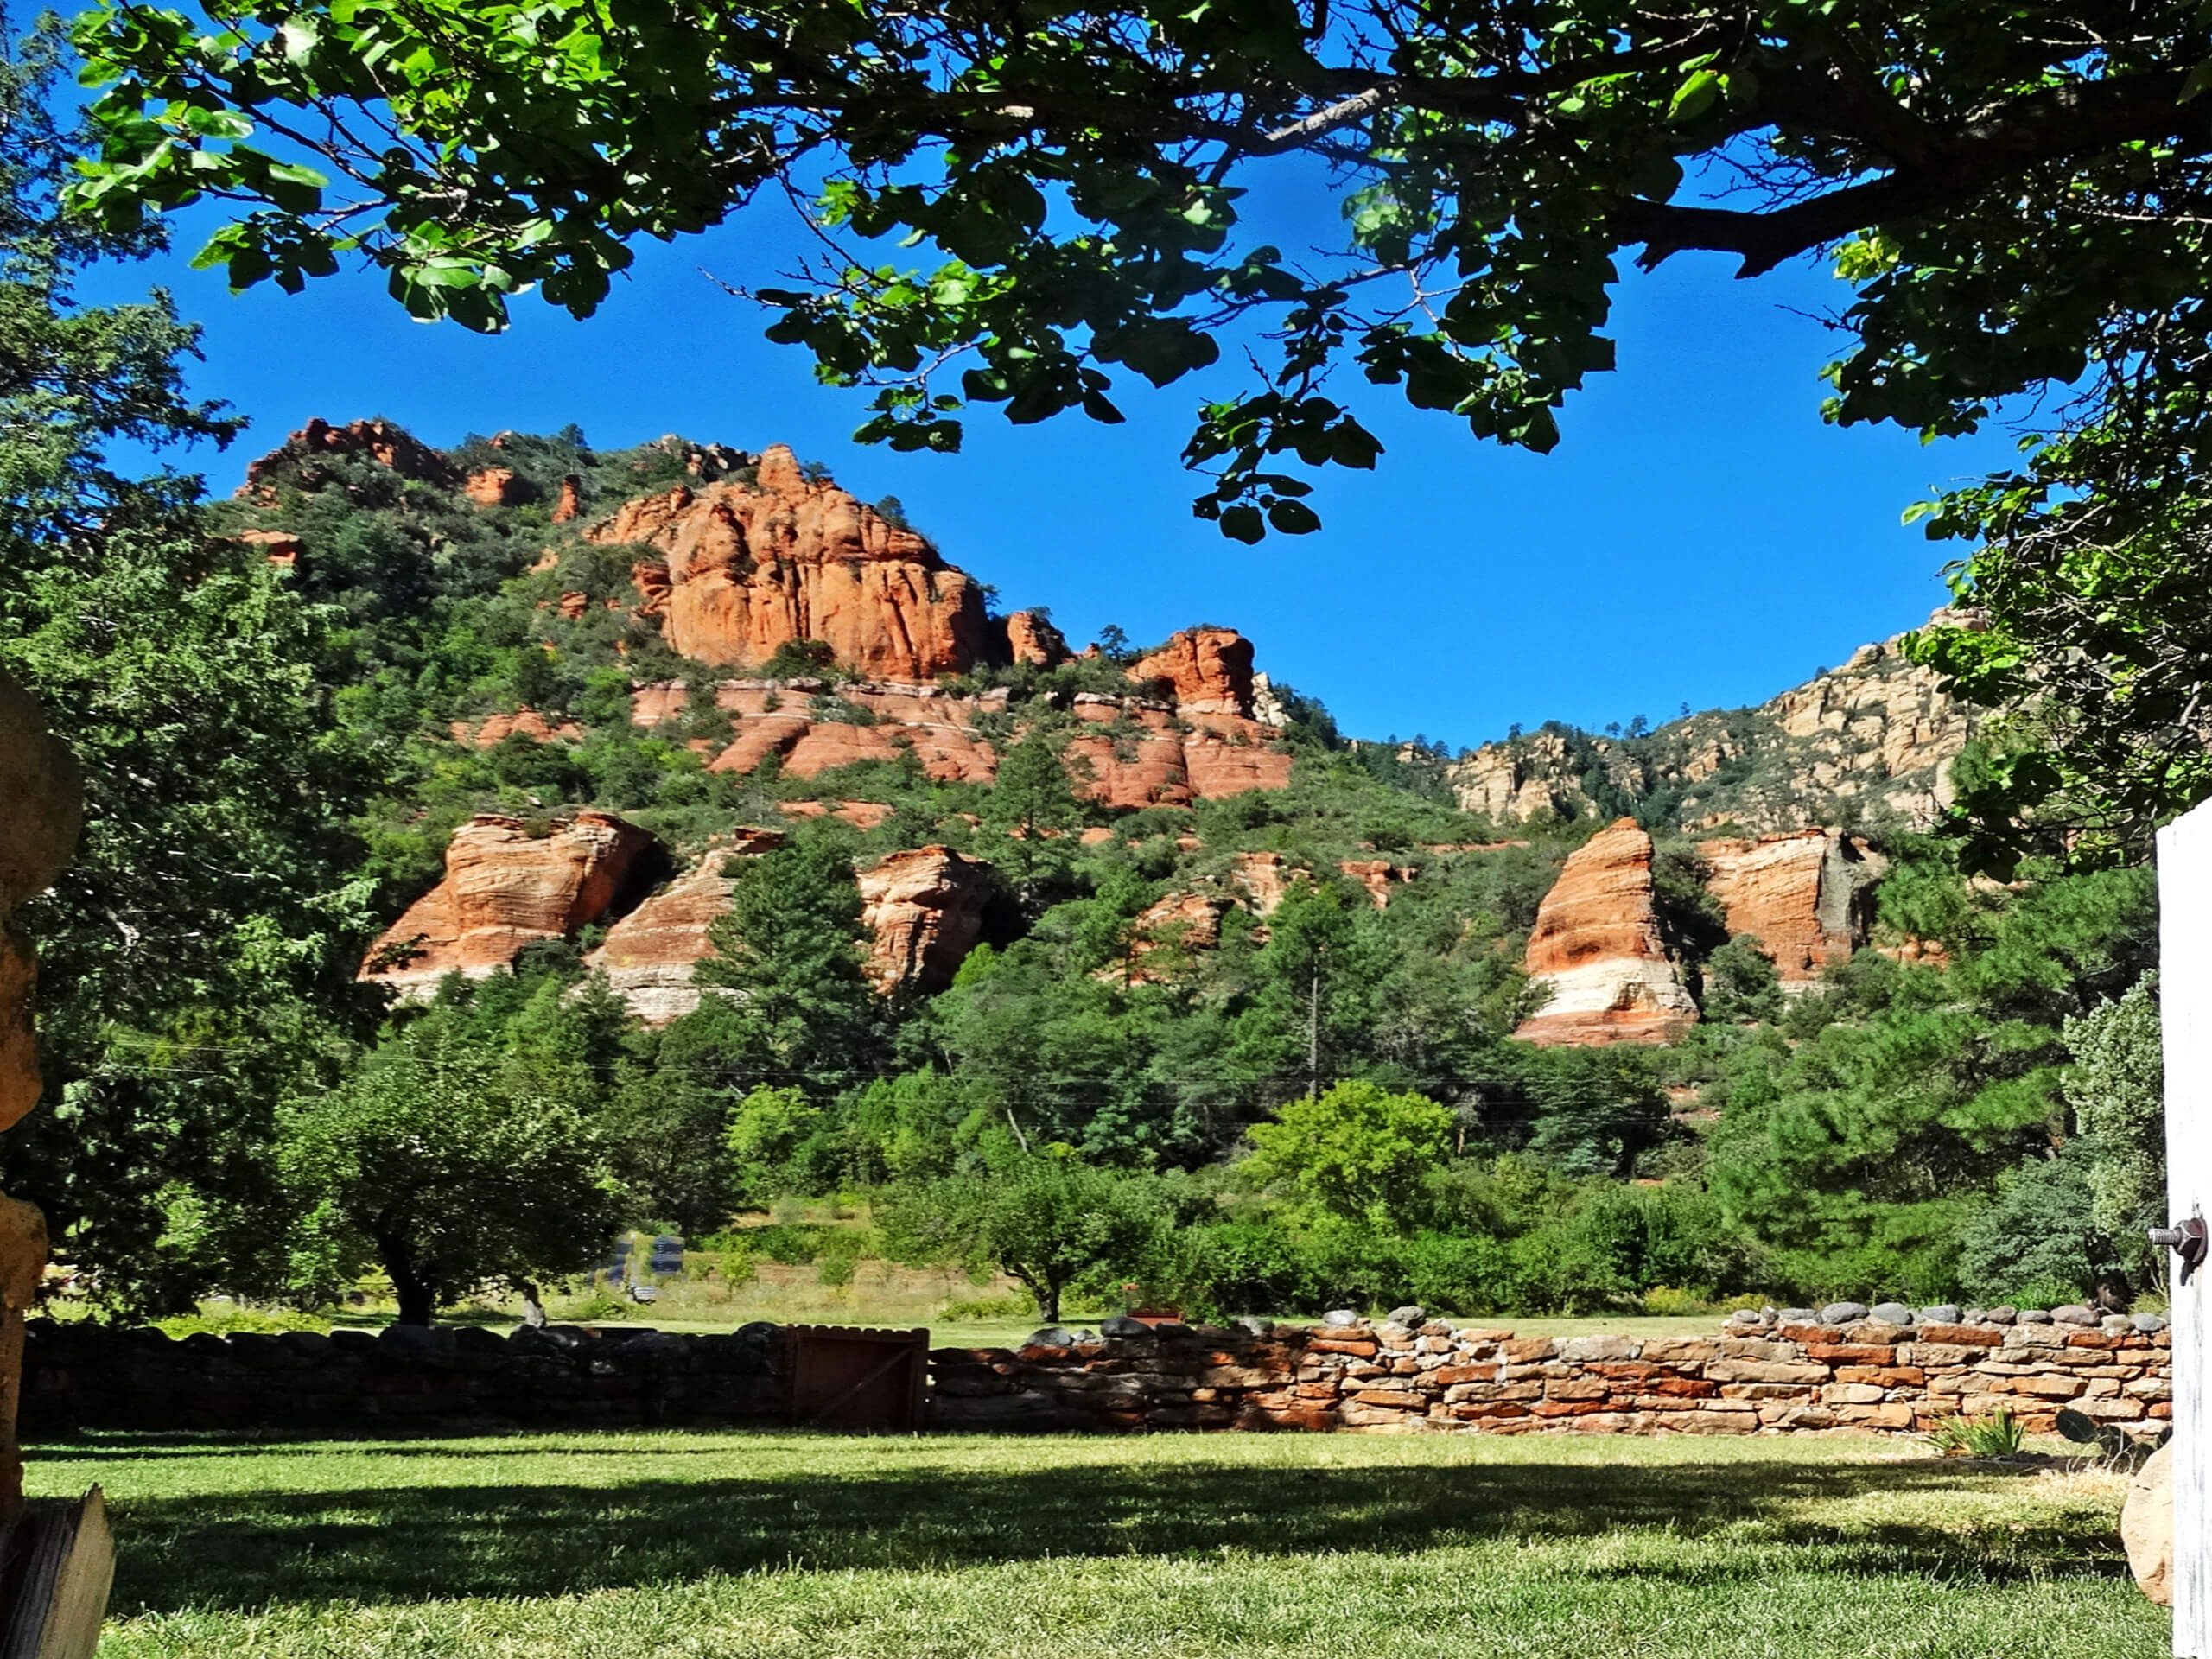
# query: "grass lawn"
[[1368, 1547]]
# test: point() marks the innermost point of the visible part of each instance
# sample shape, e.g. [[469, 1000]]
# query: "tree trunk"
[[1313, 1036], [1046, 1294], [417, 1291]]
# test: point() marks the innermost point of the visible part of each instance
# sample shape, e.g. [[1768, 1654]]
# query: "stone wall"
[[444, 1377], [1407, 1373], [1770, 1373]]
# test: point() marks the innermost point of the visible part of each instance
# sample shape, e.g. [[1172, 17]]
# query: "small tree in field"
[[1356, 1151], [449, 1175], [1044, 1219]]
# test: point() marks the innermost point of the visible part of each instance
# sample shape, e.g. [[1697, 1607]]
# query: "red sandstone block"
[[1481, 1410], [1850, 1353], [1577, 1389], [1391, 1399], [1706, 1422], [1961, 1336], [2090, 1339], [1451, 1375], [1528, 1353], [1327, 1346], [1766, 1390], [1567, 1407], [1885, 1376], [1405, 1367], [1625, 1371], [1687, 1387]]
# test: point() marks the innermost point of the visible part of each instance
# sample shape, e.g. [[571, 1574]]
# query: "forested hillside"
[[690, 835]]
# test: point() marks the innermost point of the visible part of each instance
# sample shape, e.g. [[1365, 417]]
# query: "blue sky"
[[1698, 537]]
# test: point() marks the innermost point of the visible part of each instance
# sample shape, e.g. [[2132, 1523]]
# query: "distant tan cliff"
[[1871, 742]]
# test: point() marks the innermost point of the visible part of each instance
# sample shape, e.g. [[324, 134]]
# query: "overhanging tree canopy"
[[2015, 190]]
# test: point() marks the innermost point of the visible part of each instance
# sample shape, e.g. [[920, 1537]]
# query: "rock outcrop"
[[1597, 946], [925, 908], [1211, 670], [498, 487], [569, 505], [1263, 878], [648, 956], [296, 460], [524, 722], [1166, 934], [745, 568], [1876, 736], [1031, 638], [1378, 875], [37, 833], [1147, 757], [1807, 898], [506, 888]]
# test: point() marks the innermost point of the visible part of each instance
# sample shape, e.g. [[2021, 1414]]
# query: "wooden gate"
[[842, 1377], [2185, 1006]]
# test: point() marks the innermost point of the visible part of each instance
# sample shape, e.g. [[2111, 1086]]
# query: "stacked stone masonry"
[[1407, 1374], [1411, 1374]]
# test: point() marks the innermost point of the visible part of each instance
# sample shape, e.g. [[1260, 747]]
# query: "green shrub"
[[1997, 1435]]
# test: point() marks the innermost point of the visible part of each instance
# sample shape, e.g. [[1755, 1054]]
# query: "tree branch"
[[2050, 125]]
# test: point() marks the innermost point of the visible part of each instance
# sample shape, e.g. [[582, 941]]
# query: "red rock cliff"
[[747, 567], [505, 888], [925, 908], [1807, 898], [1597, 946], [377, 441], [1211, 670], [649, 954]]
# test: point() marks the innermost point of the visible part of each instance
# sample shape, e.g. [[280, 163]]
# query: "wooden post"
[[2185, 1004]]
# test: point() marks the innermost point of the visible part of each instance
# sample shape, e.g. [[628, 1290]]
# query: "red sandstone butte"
[[649, 955], [925, 907], [377, 441], [570, 504], [747, 567], [505, 888], [1211, 670], [1807, 898], [1597, 946], [497, 486], [1032, 638]]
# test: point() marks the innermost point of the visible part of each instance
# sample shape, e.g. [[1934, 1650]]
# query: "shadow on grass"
[[246, 1551]]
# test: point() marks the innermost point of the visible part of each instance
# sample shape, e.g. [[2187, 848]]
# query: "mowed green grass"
[[1383, 1548]]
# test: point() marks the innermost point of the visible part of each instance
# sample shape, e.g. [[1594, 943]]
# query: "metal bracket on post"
[[2188, 1238]]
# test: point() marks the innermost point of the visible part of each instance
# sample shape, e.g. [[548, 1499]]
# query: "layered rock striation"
[[1874, 738], [301, 458], [1598, 948], [649, 954], [925, 908], [742, 568], [508, 885], [1806, 897]]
